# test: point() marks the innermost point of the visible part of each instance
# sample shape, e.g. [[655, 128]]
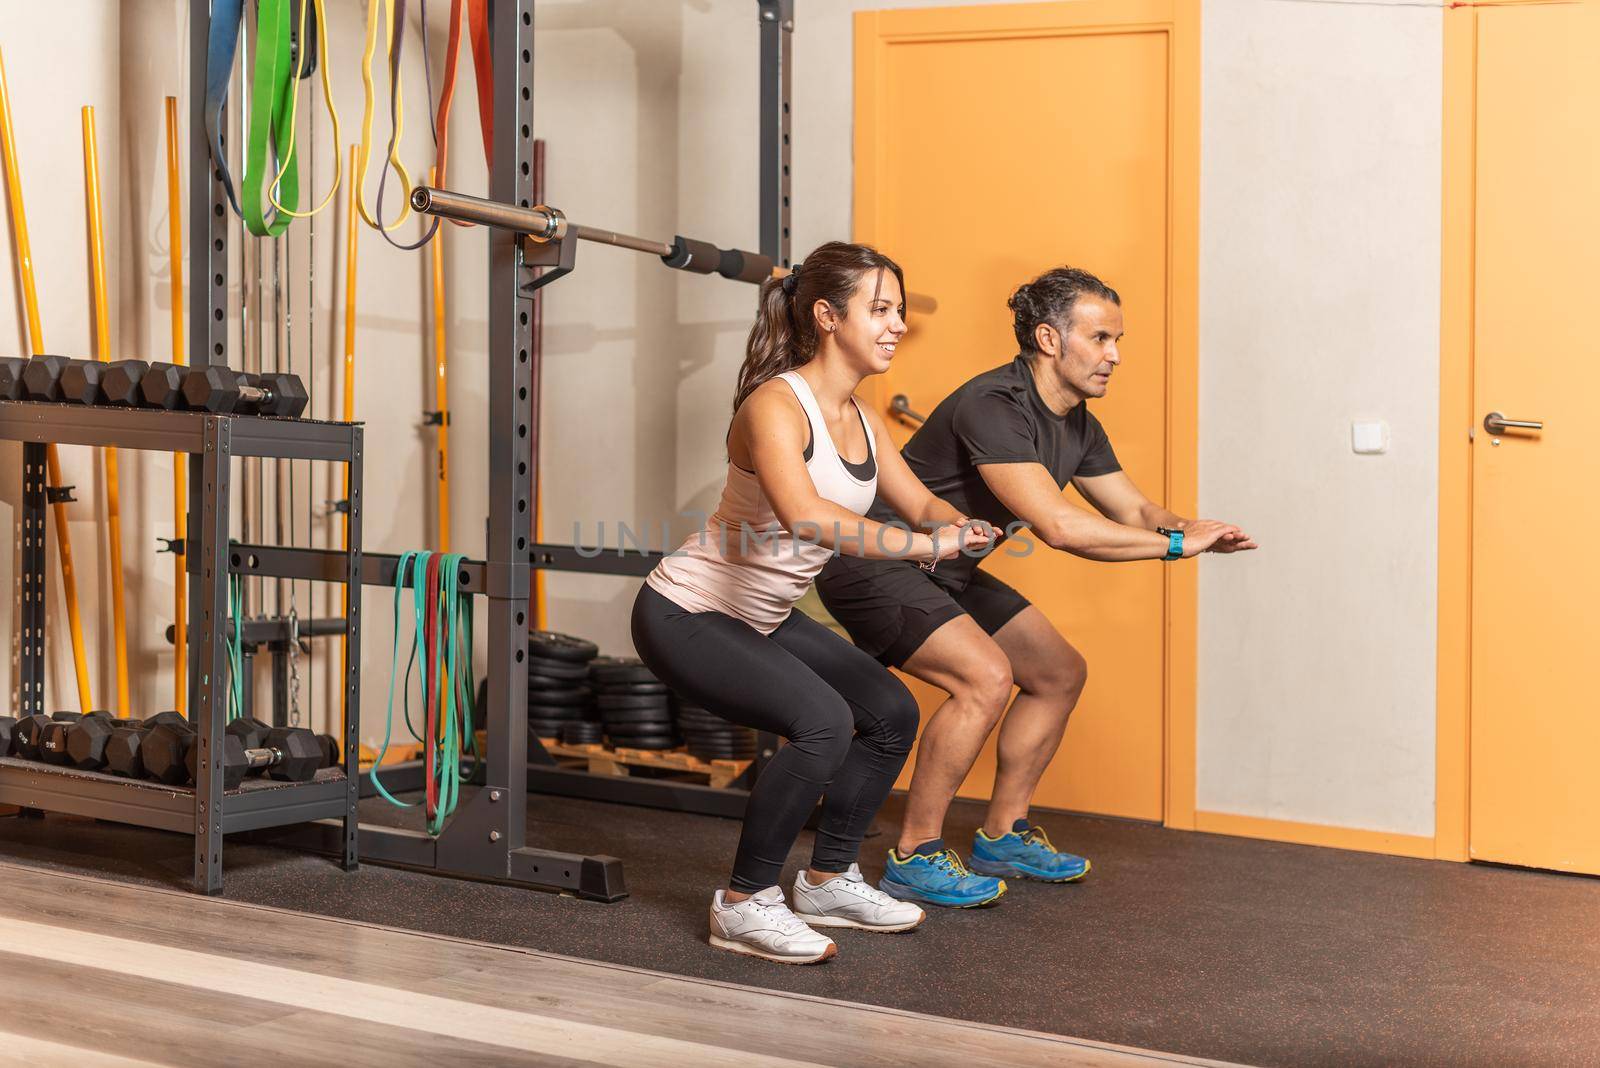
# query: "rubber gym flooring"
[[1193, 944]]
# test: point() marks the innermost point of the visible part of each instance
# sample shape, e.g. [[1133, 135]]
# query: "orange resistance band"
[[480, 63]]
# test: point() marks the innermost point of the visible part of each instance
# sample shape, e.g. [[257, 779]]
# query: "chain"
[[294, 667]]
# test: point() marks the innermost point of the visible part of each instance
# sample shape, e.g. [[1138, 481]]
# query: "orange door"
[[991, 144], [1535, 736]]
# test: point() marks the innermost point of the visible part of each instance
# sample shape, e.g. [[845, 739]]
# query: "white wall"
[[1319, 303], [46, 94], [1320, 178]]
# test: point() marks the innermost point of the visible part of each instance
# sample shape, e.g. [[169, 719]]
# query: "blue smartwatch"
[[1174, 543]]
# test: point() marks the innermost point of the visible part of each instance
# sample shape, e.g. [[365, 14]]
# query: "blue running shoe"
[[937, 879], [1025, 854]]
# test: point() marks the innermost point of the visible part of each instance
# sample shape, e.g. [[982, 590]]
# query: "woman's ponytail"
[[771, 348]]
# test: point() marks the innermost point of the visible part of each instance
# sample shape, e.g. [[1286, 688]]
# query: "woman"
[[715, 620]]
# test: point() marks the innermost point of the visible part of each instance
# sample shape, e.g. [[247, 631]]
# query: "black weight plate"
[[566, 695], [710, 738], [712, 742], [609, 669], [657, 689], [553, 645], [562, 712], [545, 682], [701, 738], [719, 733], [621, 734], [607, 700], [695, 734], [737, 734], [636, 715], [639, 730], [547, 728], [565, 670], [582, 730], [725, 737], [646, 743], [642, 743]]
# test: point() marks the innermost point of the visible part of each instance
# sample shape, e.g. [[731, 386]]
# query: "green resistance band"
[[235, 649], [271, 113]]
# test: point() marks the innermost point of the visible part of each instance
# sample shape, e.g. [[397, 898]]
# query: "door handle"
[[900, 405], [1495, 423]]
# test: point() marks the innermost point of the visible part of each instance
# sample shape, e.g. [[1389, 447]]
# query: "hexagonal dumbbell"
[[161, 386], [290, 755], [87, 738], [11, 371], [119, 384], [251, 732], [297, 755], [25, 735], [53, 739], [8, 729], [123, 748], [223, 390], [41, 381], [80, 381], [164, 750]]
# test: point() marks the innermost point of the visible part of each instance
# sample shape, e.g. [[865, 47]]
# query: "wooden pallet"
[[602, 761], [397, 754]]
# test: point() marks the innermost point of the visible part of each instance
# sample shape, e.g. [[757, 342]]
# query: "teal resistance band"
[[406, 560], [235, 650], [455, 622], [451, 659]]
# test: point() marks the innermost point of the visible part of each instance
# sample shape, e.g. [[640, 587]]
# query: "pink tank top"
[[743, 563]]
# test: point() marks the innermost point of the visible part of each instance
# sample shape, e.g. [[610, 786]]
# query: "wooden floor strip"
[[213, 978], [43, 1053], [371, 1002]]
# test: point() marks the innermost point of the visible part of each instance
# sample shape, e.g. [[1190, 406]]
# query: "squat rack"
[[486, 839]]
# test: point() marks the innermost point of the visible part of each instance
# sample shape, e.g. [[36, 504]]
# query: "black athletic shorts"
[[890, 607]]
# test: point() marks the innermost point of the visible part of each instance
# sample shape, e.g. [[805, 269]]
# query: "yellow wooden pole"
[[30, 295], [442, 472], [439, 392], [349, 416], [540, 616], [102, 345], [180, 460]]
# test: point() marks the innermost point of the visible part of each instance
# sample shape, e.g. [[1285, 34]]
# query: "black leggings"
[[850, 724]]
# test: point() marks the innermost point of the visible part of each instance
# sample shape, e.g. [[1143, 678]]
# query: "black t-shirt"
[[998, 418]]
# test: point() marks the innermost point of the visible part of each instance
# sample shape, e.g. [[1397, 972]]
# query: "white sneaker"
[[762, 926], [847, 900]]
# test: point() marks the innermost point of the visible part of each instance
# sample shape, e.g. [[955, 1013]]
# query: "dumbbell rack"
[[212, 442]]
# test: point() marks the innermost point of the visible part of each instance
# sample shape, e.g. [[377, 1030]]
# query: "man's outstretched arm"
[[1116, 497], [1028, 491]]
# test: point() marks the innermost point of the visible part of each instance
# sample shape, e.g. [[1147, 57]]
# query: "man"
[[1000, 449]]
